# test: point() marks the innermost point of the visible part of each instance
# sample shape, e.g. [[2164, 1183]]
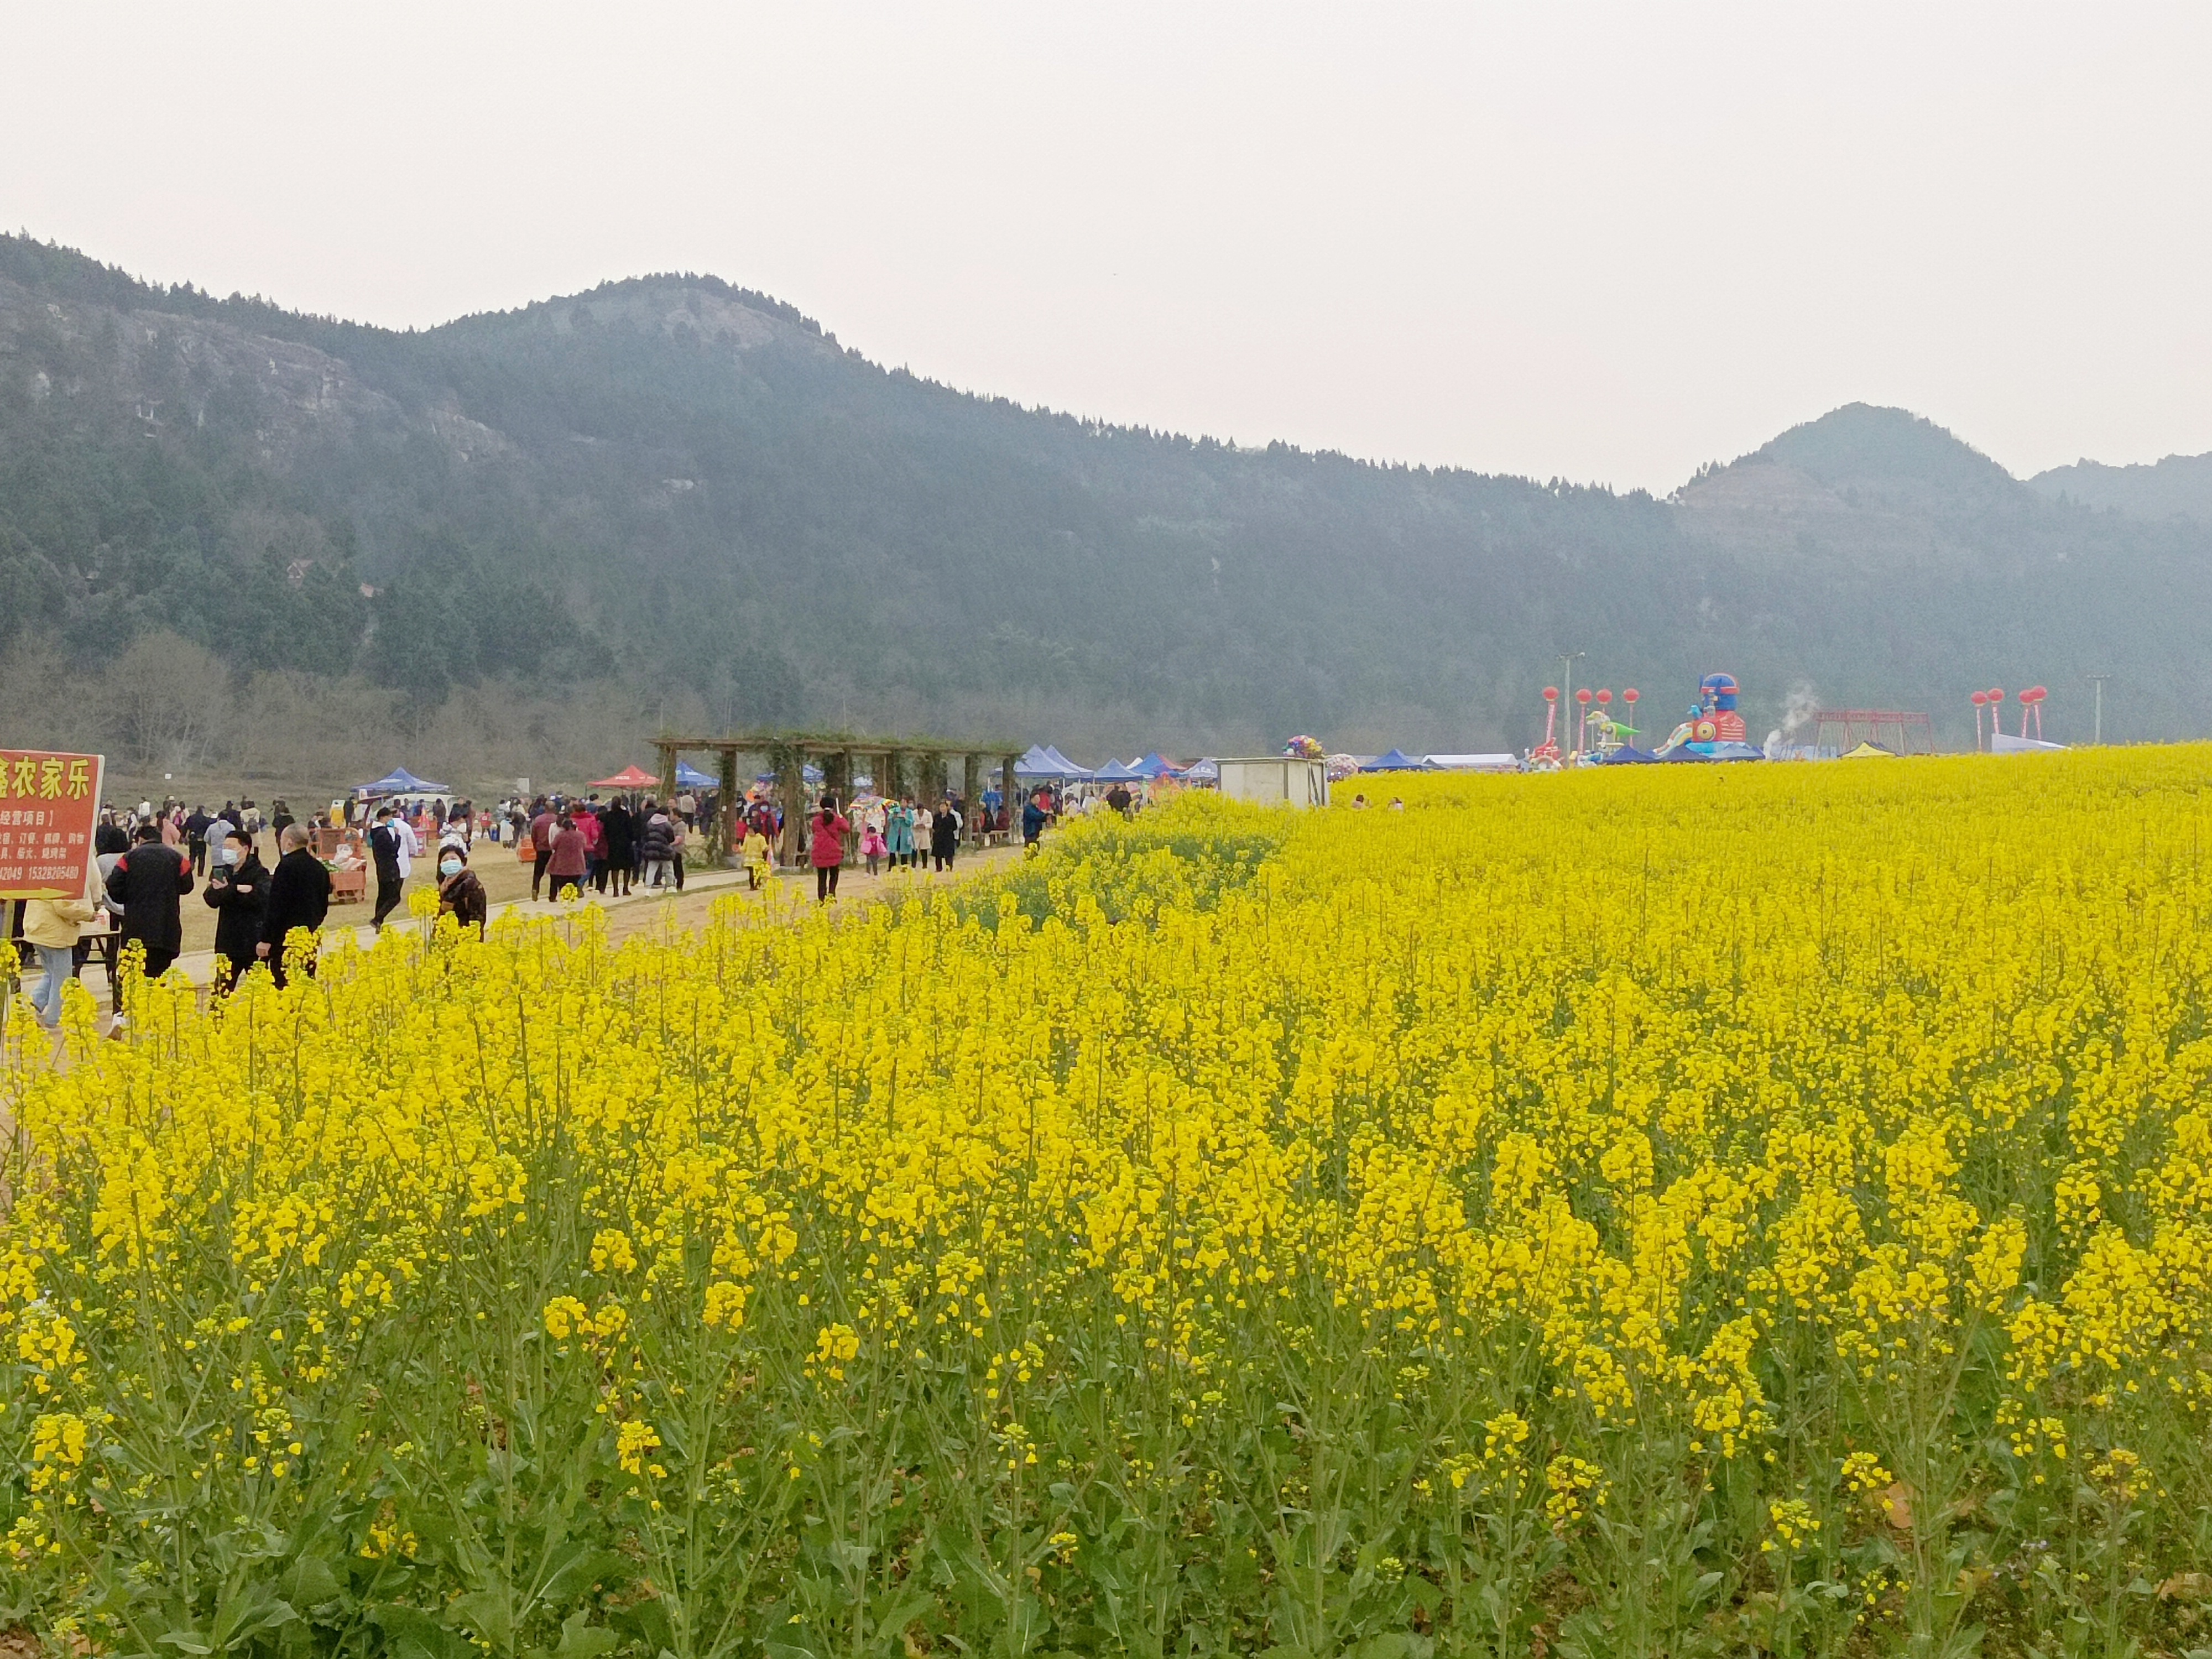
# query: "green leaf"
[[583, 1568], [191, 1641], [416, 1633], [898, 1609], [579, 1640], [310, 1582], [247, 1612], [485, 1611]]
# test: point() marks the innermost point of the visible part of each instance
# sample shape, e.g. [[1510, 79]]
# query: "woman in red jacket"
[[566, 864], [829, 851]]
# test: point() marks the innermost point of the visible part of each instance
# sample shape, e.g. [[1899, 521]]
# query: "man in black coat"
[[620, 845], [196, 839], [383, 846], [298, 896], [145, 885], [238, 892]]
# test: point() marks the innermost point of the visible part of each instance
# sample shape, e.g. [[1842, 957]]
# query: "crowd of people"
[[602, 847], [153, 857]]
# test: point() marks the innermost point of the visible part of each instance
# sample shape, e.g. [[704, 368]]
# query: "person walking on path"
[[220, 824], [924, 833], [1034, 818], [655, 843], [898, 834], [196, 839], [460, 890], [622, 848], [51, 927], [383, 846], [595, 844], [541, 844], [298, 896], [146, 884], [828, 851], [238, 892], [944, 834], [567, 863]]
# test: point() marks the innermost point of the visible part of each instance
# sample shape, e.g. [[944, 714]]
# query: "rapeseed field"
[[1699, 1211]]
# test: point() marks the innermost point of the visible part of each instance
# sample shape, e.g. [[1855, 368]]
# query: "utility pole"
[[1567, 685], [2098, 680]]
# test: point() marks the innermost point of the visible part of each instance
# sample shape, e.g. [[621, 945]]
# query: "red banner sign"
[[48, 806]]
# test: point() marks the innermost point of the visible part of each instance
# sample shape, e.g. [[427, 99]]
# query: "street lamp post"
[[1567, 678], [2098, 680]]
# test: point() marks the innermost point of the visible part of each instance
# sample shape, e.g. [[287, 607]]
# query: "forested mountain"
[[2180, 486], [671, 500]]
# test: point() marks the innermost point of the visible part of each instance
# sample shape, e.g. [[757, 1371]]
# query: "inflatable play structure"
[[1714, 729]]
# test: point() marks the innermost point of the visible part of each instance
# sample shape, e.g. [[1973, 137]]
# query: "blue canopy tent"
[[1152, 766], [1396, 761], [401, 781], [1204, 771], [688, 776], [1685, 752], [1047, 765], [1630, 755], [1115, 772]]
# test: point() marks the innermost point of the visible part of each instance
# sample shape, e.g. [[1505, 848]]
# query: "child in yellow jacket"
[[757, 859]]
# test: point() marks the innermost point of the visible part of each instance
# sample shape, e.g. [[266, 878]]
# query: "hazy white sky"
[[1606, 241]]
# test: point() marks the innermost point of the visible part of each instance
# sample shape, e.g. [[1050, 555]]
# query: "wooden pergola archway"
[[898, 765]]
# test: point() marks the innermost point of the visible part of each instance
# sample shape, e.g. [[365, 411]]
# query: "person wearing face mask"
[[460, 890], [238, 892]]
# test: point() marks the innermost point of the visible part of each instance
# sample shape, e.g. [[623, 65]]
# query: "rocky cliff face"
[[167, 370]]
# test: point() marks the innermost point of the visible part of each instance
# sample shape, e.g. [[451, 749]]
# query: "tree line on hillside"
[[623, 500]]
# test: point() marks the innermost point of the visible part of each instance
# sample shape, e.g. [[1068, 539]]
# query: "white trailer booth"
[[1276, 780]]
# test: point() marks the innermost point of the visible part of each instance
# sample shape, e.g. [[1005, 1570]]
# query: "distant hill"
[[671, 500], [2178, 487]]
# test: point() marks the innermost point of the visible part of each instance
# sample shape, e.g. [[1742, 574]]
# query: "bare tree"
[[43, 702], [168, 702]]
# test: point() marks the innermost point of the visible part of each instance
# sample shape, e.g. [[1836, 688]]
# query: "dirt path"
[[509, 884]]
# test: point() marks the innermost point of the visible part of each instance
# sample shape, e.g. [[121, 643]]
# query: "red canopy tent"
[[629, 777]]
